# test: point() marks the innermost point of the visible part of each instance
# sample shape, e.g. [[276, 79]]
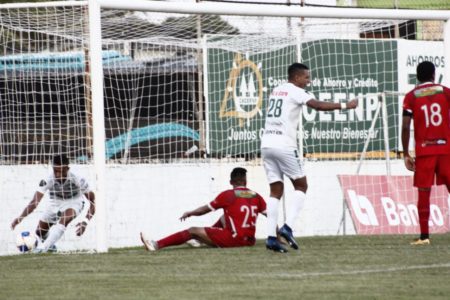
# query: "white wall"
[[151, 198]]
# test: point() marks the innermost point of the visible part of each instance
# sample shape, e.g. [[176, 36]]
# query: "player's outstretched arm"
[[196, 212], [325, 106], [81, 227], [28, 210]]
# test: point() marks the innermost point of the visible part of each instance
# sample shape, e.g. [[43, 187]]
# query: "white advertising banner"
[[410, 54]]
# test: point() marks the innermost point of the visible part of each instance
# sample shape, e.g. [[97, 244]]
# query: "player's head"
[[60, 166], [238, 177], [426, 71], [298, 74]]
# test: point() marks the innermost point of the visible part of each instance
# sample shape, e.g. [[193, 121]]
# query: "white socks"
[[272, 216], [295, 206], [54, 234]]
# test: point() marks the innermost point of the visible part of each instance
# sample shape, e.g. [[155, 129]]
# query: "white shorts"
[[56, 207], [281, 161]]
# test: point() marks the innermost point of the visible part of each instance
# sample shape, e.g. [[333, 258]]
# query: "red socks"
[[174, 239], [423, 207]]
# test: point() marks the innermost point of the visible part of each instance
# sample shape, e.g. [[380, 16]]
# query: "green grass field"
[[351, 267]]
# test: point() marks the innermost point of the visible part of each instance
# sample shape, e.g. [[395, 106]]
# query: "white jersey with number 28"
[[282, 116]]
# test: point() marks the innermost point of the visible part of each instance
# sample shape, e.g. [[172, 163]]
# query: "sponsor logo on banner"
[[245, 88], [388, 205]]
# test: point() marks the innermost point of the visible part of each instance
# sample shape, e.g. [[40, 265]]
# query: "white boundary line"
[[351, 272]]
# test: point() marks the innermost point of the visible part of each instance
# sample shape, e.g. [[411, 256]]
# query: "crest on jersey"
[[244, 193], [429, 91], [245, 88]]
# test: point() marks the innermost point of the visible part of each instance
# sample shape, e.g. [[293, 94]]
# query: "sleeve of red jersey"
[[407, 102], [221, 201], [447, 93], [262, 204]]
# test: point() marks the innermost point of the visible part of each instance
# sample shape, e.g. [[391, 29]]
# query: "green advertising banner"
[[239, 85], [342, 70]]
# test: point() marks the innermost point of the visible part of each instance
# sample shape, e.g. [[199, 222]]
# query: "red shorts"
[[428, 166], [223, 238]]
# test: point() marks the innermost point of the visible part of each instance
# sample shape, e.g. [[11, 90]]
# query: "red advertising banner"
[[388, 205]]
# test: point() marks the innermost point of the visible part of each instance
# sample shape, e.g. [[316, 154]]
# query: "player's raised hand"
[[185, 216], [81, 227], [352, 104], [409, 163]]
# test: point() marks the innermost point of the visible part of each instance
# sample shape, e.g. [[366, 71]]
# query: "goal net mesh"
[[159, 102], [184, 90]]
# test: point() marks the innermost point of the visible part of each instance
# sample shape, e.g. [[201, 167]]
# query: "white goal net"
[[184, 101]]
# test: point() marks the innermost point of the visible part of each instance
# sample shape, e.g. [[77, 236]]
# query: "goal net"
[[184, 101]]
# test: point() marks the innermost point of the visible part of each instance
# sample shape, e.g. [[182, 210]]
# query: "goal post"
[[305, 12], [228, 9], [179, 93], [98, 117], [274, 10]]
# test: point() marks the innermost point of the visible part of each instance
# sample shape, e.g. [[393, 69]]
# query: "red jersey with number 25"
[[241, 207], [430, 105]]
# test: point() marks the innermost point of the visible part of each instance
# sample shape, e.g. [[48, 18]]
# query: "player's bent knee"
[[196, 232], [193, 230], [301, 185], [276, 190]]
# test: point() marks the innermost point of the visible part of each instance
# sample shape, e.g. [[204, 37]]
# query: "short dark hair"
[[238, 174], [60, 160], [425, 71], [295, 68]]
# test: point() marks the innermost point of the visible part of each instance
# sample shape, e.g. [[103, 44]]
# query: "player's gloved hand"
[[81, 227]]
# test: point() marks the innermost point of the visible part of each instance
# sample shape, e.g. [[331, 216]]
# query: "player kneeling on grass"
[[237, 228], [67, 193]]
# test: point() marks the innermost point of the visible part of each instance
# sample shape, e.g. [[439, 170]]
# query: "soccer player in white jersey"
[[67, 192], [279, 149]]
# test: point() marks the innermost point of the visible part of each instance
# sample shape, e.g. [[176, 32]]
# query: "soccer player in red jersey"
[[428, 104], [236, 228]]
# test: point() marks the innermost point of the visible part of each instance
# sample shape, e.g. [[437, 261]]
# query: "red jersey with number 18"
[[429, 104], [241, 207]]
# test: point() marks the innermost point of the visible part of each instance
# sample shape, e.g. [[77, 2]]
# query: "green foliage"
[[351, 267]]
